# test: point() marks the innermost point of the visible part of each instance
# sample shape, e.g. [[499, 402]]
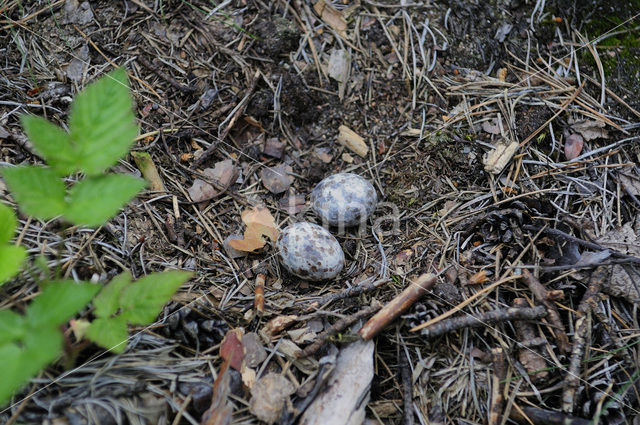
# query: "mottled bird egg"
[[344, 199], [310, 252]]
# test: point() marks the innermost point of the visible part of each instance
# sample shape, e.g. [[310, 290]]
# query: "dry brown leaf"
[[623, 282], [231, 348], [260, 223], [590, 129], [276, 179], [224, 174]]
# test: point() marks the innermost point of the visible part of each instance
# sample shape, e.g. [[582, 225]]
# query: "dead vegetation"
[[460, 117]]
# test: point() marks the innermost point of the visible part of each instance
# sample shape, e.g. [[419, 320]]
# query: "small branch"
[[349, 292], [407, 387], [545, 297], [258, 301], [580, 336], [339, 326], [168, 78], [238, 110], [529, 356], [457, 323], [497, 386], [532, 415], [397, 305]]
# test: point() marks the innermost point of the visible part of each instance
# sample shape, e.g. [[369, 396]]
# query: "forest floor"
[[502, 138]]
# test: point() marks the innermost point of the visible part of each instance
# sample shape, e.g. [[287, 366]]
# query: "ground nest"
[[502, 138]]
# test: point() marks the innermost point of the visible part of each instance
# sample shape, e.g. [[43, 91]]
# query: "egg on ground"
[[310, 252], [344, 199]]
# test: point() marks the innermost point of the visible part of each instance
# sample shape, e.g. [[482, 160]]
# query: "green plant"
[[102, 129], [30, 342], [11, 256], [138, 303]]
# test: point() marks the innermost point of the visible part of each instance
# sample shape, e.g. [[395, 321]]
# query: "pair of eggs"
[[309, 251]]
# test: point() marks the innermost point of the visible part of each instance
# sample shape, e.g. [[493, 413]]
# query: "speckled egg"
[[344, 199], [310, 252]]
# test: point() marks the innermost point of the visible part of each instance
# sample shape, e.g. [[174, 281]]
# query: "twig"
[[337, 327], [533, 415], [168, 78], [234, 117], [258, 301], [529, 355], [397, 305], [541, 293], [456, 323], [407, 387], [349, 292], [582, 330], [497, 386]]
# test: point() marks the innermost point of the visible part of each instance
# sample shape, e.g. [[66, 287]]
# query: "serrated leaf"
[[52, 143], [58, 302], [107, 302], [11, 257], [38, 190], [8, 223], [102, 122], [142, 300], [12, 377], [20, 363], [109, 333], [94, 200], [11, 327]]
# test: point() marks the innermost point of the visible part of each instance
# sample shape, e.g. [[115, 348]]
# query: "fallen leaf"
[[351, 140], [269, 395], [497, 159], [224, 174], [231, 348], [233, 253], [293, 204], [590, 129], [273, 147], [323, 154], [277, 179], [492, 126], [254, 352], [260, 223], [573, 146]]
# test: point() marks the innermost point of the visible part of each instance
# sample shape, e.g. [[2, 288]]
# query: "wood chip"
[[497, 159], [351, 140]]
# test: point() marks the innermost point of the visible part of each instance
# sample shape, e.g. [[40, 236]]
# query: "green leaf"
[[52, 142], [13, 377], [109, 333], [102, 123], [94, 200], [58, 302], [142, 300], [39, 348], [8, 223], [38, 190], [107, 302], [11, 327], [11, 257]]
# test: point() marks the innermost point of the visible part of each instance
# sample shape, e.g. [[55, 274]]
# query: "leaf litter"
[[397, 90]]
